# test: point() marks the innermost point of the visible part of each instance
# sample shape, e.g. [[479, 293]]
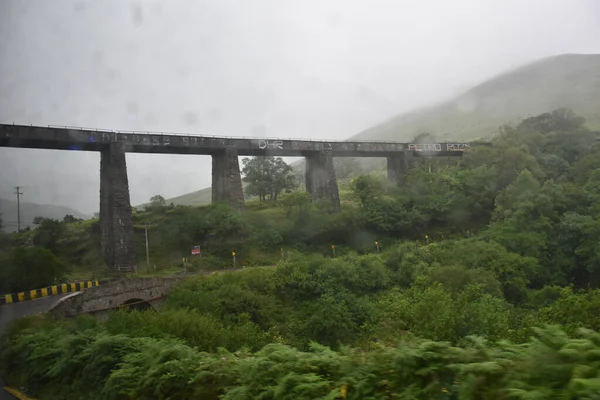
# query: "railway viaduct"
[[116, 222]]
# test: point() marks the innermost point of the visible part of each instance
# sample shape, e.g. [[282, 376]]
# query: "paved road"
[[10, 312]]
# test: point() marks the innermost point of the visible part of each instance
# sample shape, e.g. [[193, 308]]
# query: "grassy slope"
[[80, 245], [571, 81], [197, 198]]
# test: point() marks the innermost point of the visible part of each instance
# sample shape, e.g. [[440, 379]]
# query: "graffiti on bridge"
[[438, 147], [149, 140], [270, 144]]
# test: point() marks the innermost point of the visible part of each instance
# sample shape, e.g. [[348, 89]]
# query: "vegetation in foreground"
[[499, 302], [352, 327]]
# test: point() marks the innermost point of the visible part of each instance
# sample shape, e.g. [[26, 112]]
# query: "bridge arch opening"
[[137, 305]]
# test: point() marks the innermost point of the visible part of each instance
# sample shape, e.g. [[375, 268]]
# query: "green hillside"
[[197, 198], [571, 81], [29, 211]]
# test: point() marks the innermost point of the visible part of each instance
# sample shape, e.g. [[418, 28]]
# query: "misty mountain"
[[570, 80], [8, 209], [196, 198]]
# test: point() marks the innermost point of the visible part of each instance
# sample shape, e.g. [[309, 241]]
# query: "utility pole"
[[18, 193], [147, 250]]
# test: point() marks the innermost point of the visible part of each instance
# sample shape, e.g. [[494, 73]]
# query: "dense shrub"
[[96, 365], [26, 268]]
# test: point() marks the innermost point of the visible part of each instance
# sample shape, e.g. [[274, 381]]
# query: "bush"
[[574, 309], [28, 268], [55, 362], [205, 332], [432, 312]]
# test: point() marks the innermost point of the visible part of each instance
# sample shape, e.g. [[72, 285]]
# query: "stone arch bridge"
[[136, 293]]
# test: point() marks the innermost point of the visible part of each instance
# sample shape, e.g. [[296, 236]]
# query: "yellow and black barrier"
[[17, 393], [47, 291]]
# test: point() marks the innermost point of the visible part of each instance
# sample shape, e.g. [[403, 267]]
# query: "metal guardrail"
[[47, 291], [210, 136]]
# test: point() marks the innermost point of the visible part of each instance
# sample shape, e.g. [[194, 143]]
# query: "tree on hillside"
[[30, 268], [38, 220], [157, 203], [69, 219], [300, 200], [562, 119], [267, 177], [48, 232], [365, 188], [424, 138], [346, 167]]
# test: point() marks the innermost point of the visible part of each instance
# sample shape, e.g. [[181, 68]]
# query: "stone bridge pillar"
[[397, 167], [320, 178], [116, 220], [226, 178]]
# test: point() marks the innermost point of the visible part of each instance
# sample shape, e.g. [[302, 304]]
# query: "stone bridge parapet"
[[102, 299]]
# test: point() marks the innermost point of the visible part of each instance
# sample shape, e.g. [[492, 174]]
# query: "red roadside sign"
[[196, 251]]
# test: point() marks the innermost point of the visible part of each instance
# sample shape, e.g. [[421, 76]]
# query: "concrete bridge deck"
[[62, 138]]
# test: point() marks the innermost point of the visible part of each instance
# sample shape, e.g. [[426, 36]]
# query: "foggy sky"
[[277, 68]]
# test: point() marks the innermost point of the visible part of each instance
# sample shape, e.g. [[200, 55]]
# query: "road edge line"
[[18, 394]]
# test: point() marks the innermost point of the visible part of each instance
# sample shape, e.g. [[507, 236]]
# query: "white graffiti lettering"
[[436, 147], [425, 147], [155, 140], [273, 144], [457, 146]]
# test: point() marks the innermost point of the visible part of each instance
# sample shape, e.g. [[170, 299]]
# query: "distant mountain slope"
[[197, 198], [29, 211], [570, 80]]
